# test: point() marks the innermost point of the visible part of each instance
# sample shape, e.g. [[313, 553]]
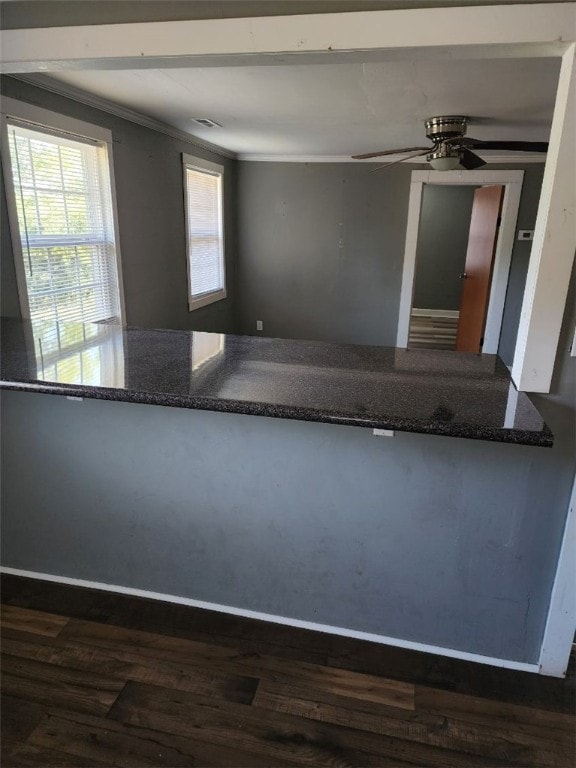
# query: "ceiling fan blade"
[[469, 160], [368, 155], [402, 159], [519, 146]]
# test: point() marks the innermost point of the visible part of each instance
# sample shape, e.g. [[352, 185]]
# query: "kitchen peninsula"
[[424, 391], [418, 540]]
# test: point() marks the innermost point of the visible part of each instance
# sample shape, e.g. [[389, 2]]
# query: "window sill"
[[208, 298]]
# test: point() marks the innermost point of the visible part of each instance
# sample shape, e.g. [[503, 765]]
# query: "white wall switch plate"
[[384, 433]]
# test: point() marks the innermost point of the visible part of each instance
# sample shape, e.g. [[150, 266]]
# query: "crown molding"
[[105, 105], [77, 94], [509, 159]]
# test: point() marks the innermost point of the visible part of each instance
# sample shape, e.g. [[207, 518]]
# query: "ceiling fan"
[[451, 148]]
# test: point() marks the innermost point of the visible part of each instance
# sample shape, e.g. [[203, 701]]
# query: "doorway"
[[512, 183], [456, 247]]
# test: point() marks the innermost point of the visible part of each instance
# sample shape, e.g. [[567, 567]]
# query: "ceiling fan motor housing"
[[439, 129]]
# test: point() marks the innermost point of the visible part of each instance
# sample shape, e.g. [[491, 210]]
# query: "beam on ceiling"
[[486, 31]]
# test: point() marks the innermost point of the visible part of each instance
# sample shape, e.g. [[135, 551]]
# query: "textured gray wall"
[[442, 243], [520, 257], [148, 170], [321, 247], [437, 540]]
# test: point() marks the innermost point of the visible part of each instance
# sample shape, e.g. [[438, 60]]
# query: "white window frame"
[[190, 162], [43, 118]]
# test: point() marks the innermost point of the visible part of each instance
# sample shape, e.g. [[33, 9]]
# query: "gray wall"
[[442, 243], [148, 170], [437, 540], [321, 247], [520, 258]]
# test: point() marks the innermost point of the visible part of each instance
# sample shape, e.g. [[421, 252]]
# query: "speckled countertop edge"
[[543, 438]]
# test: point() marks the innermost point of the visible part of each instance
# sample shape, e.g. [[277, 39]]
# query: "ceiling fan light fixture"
[[445, 158], [446, 163]]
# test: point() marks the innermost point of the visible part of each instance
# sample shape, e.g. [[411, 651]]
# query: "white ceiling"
[[336, 109]]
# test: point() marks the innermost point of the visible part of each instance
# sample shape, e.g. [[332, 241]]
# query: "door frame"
[[512, 183]]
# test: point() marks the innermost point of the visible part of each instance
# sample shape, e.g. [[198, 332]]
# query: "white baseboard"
[[326, 628]]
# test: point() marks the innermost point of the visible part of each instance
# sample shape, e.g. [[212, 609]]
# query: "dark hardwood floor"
[[96, 679]]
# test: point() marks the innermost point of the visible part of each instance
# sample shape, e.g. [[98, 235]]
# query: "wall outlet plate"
[[259, 325]]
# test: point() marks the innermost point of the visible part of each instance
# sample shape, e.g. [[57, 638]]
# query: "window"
[[203, 183], [62, 220]]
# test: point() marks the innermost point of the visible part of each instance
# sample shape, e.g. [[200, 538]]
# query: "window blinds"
[[64, 206], [205, 235]]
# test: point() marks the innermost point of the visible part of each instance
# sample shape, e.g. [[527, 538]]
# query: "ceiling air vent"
[[205, 122]]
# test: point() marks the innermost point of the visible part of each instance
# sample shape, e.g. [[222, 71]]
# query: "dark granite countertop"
[[432, 392]]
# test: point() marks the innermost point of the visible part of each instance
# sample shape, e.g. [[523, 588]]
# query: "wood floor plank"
[[33, 622], [55, 686], [277, 735], [552, 725], [63, 695], [342, 682], [467, 738], [148, 644], [506, 685], [28, 756], [18, 719], [204, 681], [41, 671], [27, 646], [276, 698], [300, 690], [338, 681], [114, 743]]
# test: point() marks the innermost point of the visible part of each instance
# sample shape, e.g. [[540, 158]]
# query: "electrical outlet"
[[259, 325]]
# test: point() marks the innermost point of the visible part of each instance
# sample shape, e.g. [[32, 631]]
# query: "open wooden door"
[[477, 273]]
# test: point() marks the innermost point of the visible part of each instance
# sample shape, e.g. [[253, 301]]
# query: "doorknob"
[[463, 275]]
